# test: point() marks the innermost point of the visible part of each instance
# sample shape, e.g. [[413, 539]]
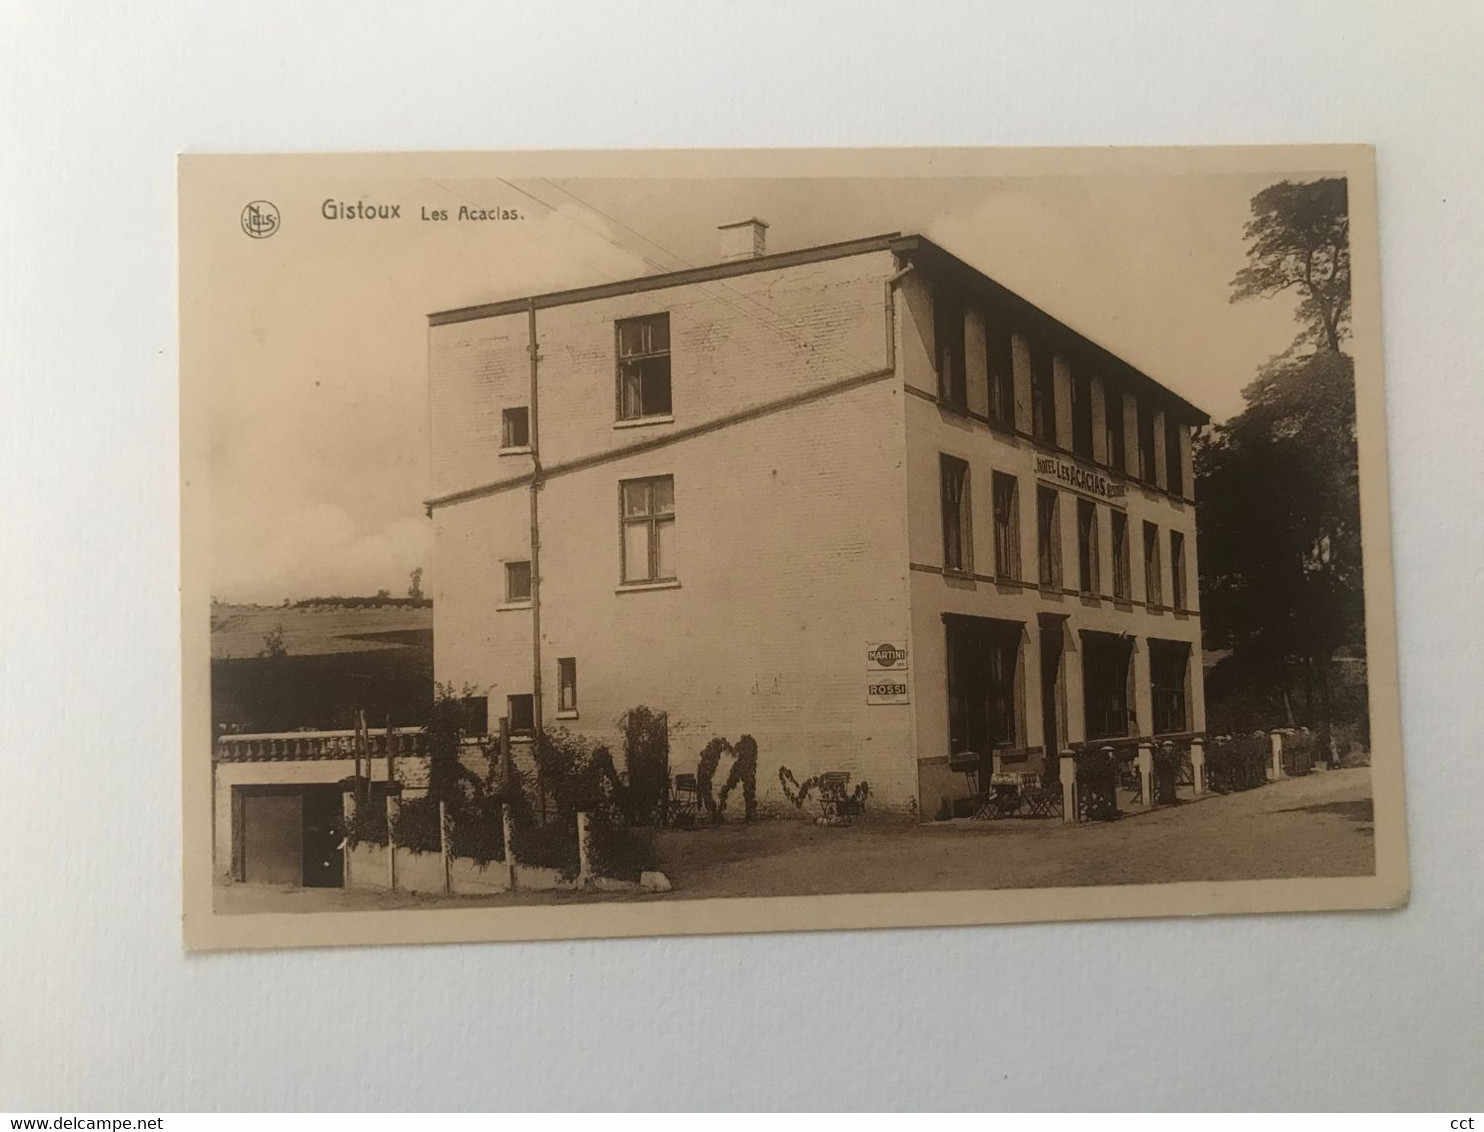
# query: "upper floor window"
[[1043, 393], [1120, 556], [1177, 570], [1146, 440], [1000, 359], [1081, 413], [1006, 527], [1153, 588], [948, 334], [1113, 424], [643, 367], [1087, 547], [648, 519], [958, 545], [1174, 463], [515, 428], [1048, 537], [517, 581]]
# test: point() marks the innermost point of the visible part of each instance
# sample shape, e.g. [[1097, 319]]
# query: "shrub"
[[368, 823], [619, 851], [416, 826], [646, 746], [551, 845], [706, 774], [744, 772], [1237, 763]]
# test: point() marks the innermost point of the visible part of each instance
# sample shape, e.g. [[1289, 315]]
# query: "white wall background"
[[99, 1007]]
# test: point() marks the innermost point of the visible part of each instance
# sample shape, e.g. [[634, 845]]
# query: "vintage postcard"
[[635, 543]]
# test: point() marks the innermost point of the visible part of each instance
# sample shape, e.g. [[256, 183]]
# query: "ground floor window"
[[521, 711], [1106, 661], [1169, 667], [984, 685]]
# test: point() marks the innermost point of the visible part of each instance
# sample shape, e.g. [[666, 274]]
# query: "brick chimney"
[[746, 239]]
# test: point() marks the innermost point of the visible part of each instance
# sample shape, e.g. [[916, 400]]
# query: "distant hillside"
[[239, 631], [336, 661]]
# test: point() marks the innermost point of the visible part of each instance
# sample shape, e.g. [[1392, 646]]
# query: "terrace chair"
[[681, 800], [835, 800], [1041, 797]]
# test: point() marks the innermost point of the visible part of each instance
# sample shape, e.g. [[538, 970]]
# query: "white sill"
[[523, 450], [508, 605], [640, 422], [566, 715], [638, 587]]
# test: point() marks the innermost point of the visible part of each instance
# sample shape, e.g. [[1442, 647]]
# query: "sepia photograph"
[[607, 544]]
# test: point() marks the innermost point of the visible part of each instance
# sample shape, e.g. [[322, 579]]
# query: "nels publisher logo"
[[260, 219]]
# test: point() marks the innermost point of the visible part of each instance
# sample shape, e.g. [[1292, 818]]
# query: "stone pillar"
[[1275, 747], [507, 831], [1198, 764], [996, 763], [1061, 384], [1068, 786], [1146, 774]]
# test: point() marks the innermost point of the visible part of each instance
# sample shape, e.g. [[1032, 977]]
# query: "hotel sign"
[[1080, 478]]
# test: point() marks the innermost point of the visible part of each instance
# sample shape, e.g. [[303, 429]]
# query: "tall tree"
[[1279, 523], [1299, 238]]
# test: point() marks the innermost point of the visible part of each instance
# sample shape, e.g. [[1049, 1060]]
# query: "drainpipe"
[[535, 419]]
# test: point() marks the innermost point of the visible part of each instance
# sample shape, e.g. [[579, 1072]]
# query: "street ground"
[[1316, 826]]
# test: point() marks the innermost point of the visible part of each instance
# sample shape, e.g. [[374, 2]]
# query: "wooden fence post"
[[1198, 764], [348, 816], [504, 749], [507, 831], [443, 847], [1275, 746], [584, 852], [391, 842], [1146, 774]]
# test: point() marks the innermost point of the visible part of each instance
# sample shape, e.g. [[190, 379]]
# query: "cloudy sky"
[[317, 337]]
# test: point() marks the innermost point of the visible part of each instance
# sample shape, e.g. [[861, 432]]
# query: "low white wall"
[[423, 872]]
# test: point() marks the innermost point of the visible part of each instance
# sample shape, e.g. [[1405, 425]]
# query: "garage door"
[[273, 838]]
